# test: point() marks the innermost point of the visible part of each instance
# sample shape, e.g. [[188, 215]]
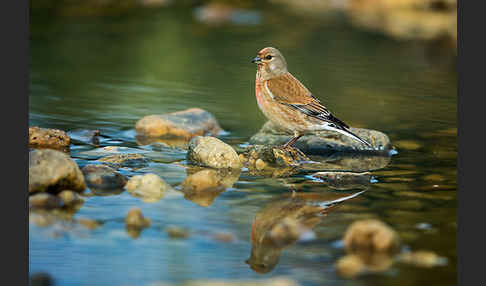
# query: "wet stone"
[[323, 141], [53, 171], [260, 156], [126, 160], [102, 177], [149, 187], [211, 152], [48, 138], [183, 124]]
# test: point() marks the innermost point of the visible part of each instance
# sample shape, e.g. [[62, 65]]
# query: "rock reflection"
[[286, 220], [203, 185], [351, 162]]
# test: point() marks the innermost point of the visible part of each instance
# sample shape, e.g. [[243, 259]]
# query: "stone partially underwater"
[[323, 142]]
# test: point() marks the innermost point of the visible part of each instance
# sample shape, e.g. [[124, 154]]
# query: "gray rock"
[[323, 141], [53, 171], [212, 152], [182, 124]]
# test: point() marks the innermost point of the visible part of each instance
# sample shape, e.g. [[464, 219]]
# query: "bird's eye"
[[269, 57]]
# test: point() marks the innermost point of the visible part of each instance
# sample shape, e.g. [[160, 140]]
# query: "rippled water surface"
[[105, 73]]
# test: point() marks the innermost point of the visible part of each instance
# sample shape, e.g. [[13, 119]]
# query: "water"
[[105, 73]]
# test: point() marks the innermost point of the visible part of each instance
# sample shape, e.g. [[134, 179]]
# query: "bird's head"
[[271, 63]]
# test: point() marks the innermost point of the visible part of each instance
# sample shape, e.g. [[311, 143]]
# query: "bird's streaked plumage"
[[288, 103]]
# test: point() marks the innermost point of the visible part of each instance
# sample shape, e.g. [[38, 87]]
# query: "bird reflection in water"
[[284, 221]]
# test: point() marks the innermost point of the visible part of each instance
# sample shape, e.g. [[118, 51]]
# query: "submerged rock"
[[126, 160], [48, 138], [322, 142], [370, 236], [103, 178], [202, 186], [85, 136], [53, 171], [135, 222], [183, 124], [344, 180], [211, 152], [149, 187]]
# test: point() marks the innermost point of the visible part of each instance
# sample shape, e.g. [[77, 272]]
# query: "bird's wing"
[[288, 90]]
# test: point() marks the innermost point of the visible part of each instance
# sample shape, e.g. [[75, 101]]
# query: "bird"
[[288, 104]]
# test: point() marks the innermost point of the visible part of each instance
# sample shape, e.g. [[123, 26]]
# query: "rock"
[[344, 180], [103, 178], [136, 220], [41, 279], [350, 266], [323, 142], [48, 138], [53, 171], [275, 281], [370, 236], [177, 232], [70, 198], [44, 201], [211, 152], [126, 160], [422, 258], [202, 186], [88, 223], [271, 161], [85, 136], [149, 187], [184, 124]]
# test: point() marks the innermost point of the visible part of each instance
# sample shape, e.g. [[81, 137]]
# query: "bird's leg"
[[292, 141]]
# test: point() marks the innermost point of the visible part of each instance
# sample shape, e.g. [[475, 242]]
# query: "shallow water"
[[107, 72]]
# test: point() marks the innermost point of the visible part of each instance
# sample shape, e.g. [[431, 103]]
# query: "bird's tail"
[[348, 133]]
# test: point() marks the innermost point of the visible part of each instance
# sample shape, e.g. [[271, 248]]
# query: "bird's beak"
[[256, 60]]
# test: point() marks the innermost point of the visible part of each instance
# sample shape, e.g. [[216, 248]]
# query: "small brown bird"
[[287, 103]]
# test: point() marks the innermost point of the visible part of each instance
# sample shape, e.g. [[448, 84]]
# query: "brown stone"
[[48, 138]]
